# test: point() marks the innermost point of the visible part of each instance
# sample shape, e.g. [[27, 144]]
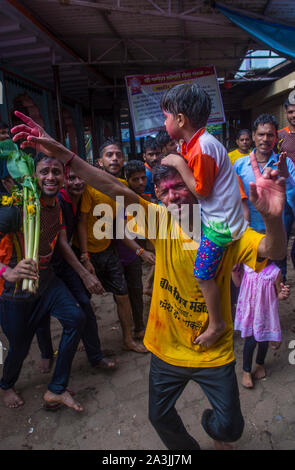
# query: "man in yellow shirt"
[[100, 258], [178, 312], [243, 141]]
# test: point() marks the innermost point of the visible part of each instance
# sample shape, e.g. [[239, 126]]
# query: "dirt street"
[[115, 403]]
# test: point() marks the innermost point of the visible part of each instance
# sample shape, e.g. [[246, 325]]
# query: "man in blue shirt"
[[265, 137]]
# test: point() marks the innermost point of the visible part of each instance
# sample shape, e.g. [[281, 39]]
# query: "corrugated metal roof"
[[97, 43]]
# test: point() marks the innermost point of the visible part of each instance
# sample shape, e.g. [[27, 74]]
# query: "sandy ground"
[[115, 403]]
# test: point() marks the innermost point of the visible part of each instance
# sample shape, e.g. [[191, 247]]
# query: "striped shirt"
[[286, 142], [12, 246]]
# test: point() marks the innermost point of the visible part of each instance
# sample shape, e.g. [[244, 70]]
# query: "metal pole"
[[55, 69], [93, 124], [132, 139]]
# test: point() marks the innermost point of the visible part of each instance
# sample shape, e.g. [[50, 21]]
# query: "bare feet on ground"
[[259, 372], [134, 346], [45, 365], [62, 399], [11, 399], [220, 445], [247, 381], [211, 334]]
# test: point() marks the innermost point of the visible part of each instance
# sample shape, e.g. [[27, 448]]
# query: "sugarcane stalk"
[[36, 240], [25, 283]]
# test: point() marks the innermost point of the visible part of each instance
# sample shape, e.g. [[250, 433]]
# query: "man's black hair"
[[190, 100], [133, 166], [162, 139], [265, 119], [287, 103], [106, 143], [244, 131], [3, 125], [150, 143], [42, 156], [162, 172]]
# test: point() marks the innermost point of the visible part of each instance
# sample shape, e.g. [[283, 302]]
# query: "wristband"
[[69, 161], [139, 251], [2, 271], [84, 257]]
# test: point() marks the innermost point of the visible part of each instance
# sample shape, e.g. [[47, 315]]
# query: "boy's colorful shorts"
[[208, 258]]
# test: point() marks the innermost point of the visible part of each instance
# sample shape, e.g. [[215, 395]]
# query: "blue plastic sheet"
[[278, 37]]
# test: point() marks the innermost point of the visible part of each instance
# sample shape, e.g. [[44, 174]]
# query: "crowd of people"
[[230, 277]]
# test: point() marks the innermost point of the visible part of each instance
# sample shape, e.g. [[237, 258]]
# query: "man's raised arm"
[[34, 136], [268, 195]]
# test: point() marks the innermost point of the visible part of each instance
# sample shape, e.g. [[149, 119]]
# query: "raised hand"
[[282, 165], [36, 137], [268, 193]]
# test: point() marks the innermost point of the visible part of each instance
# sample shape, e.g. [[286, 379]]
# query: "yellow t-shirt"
[[99, 221], [235, 155], [178, 311]]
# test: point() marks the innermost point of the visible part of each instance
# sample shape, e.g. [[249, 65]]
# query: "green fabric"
[[218, 233]]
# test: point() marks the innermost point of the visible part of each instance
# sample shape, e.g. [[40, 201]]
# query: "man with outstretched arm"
[[178, 311]]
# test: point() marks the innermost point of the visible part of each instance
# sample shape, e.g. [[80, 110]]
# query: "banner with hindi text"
[[145, 92]]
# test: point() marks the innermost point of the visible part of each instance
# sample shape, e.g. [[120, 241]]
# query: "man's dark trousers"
[[89, 334], [223, 423], [20, 320]]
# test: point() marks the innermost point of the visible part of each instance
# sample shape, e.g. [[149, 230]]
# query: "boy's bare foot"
[[259, 372], [62, 399], [11, 399], [210, 335], [247, 381], [220, 445], [134, 346], [45, 365]]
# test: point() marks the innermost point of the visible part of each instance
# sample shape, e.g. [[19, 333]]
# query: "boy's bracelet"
[[139, 251]]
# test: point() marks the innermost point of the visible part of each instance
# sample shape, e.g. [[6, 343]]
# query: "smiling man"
[[178, 310], [21, 313]]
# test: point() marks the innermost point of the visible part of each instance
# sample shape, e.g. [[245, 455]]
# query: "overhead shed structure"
[[76, 53]]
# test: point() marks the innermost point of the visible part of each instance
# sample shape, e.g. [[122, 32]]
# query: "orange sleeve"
[[205, 171], [241, 186]]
